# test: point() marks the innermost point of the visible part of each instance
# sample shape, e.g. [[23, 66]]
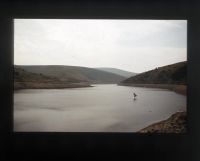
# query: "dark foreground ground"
[[174, 124]]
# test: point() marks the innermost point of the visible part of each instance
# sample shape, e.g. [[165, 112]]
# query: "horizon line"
[[99, 67]]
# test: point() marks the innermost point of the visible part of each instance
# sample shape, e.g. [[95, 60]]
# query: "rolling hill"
[[74, 74], [20, 75], [170, 74], [28, 80], [118, 72]]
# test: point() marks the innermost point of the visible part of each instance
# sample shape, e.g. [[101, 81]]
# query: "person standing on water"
[[134, 95]]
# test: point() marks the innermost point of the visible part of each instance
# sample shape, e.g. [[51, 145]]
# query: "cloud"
[[135, 45]]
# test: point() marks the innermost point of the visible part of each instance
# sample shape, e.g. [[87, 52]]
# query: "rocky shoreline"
[[174, 124]]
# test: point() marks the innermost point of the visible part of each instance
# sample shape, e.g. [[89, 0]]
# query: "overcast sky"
[[132, 45]]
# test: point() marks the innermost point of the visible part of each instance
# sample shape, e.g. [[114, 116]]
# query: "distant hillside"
[[170, 74], [118, 71], [74, 74], [28, 80], [20, 75]]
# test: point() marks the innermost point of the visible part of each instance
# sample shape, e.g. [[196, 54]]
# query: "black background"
[[99, 146]]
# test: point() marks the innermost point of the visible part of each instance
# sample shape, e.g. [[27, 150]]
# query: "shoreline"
[[176, 123], [180, 89], [48, 85]]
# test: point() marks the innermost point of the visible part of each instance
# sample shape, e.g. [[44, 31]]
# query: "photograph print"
[[100, 75]]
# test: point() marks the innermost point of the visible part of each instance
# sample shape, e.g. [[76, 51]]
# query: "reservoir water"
[[102, 108]]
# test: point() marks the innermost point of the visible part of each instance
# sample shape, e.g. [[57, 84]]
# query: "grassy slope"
[[75, 74], [21, 75], [29, 80], [170, 74]]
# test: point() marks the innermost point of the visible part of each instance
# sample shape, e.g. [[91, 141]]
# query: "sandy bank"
[[174, 124]]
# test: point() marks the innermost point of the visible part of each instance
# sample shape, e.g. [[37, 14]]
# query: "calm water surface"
[[102, 108]]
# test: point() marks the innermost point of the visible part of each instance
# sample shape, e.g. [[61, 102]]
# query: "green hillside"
[[74, 74], [20, 75], [170, 74], [28, 80]]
